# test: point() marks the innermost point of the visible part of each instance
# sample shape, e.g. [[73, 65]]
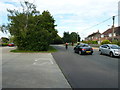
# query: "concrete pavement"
[[31, 70]]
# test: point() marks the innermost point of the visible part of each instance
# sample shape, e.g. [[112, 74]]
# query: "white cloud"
[[3, 35], [4, 7], [84, 13]]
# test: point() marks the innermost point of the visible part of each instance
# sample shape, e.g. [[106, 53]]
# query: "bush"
[[4, 44], [90, 42], [34, 43], [84, 41], [116, 42], [105, 42], [50, 50]]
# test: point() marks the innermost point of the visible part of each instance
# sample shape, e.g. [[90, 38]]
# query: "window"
[[115, 47], [114, 34], [102, 36], [104, 46], [110, 35]]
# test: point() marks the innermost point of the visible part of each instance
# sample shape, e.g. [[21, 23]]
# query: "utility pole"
[[77, 37], [113, 28]]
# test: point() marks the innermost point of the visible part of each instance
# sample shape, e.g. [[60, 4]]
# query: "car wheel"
[[111, 54], [74, 51], [101, 53]]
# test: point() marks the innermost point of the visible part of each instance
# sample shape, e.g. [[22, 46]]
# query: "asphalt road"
[[87, 71]]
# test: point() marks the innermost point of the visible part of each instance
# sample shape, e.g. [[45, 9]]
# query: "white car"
[[110, 49]]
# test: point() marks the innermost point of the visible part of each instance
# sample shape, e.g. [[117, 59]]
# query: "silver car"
[[110, 49]]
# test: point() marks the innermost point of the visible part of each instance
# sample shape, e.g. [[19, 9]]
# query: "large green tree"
[[31, 30]]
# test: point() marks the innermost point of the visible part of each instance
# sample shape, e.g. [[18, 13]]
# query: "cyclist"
[[66, 45]]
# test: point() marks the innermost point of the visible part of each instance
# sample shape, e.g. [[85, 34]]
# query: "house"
[[94, 36], [107, 35]]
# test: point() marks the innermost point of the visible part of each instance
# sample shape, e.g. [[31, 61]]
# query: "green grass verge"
[[51, 50]]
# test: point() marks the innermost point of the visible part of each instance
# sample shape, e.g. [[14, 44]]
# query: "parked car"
[[110, 49], [83, 49], [11, 44]]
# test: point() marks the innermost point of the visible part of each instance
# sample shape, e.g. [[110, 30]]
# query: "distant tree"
[[58, 40], [66, 37], [73, 37]]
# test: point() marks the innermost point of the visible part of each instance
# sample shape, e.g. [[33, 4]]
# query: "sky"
[[71, 15]]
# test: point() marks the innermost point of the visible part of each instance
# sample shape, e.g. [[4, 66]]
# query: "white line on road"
[[41, 63]]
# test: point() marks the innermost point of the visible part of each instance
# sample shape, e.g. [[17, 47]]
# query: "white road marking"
[[36, 60], [34, 63], [51, 61], [42, 61]]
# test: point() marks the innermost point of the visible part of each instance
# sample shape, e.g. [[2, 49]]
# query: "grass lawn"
[[51, 49]]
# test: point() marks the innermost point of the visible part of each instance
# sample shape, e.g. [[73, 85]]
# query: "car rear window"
[[115, 47], [85, 46]]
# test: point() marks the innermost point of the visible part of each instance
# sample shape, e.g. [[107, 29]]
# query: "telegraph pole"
[[77, 37], [113, 28]]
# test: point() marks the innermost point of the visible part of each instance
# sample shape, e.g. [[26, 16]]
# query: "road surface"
[[87, 71]]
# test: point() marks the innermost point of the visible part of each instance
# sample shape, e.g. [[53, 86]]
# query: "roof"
[[93, 34], [110, 30], [117, 30]]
